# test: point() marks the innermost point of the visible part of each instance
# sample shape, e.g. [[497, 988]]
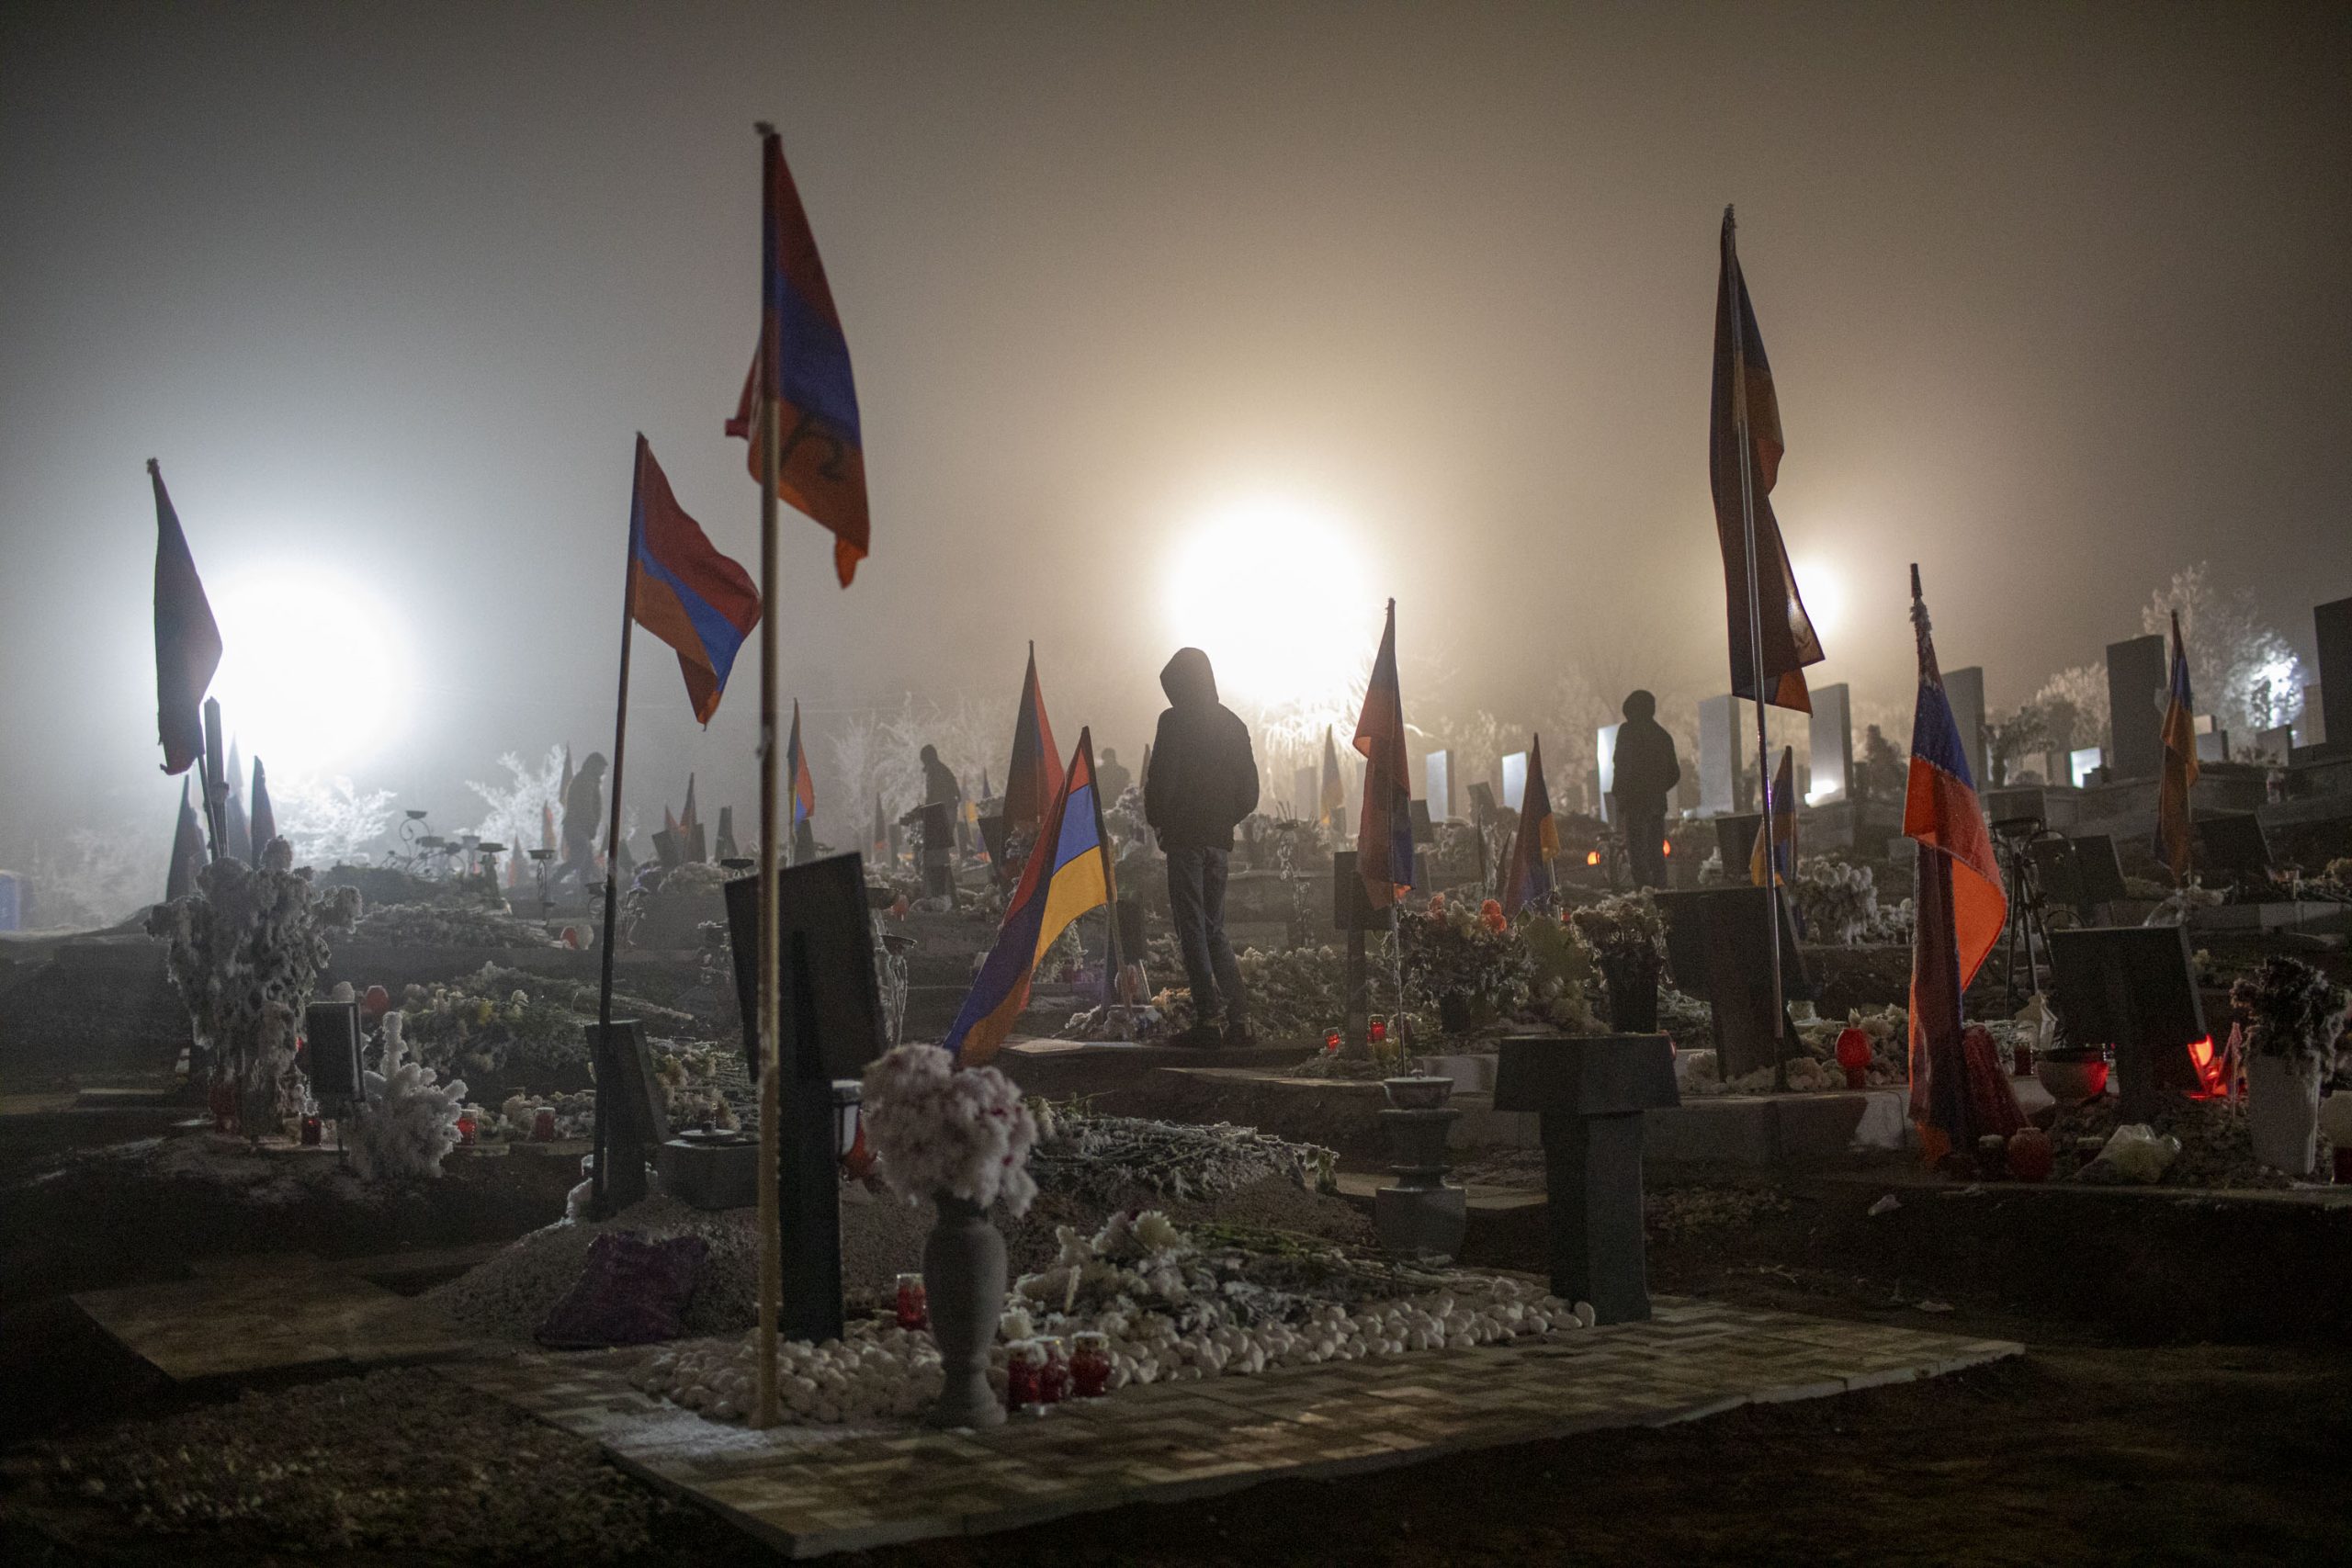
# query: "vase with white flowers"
[[960, 1137], [2294, 1014]]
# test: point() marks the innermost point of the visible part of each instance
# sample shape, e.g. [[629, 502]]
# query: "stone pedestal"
[[1420, 1213], [1590, 1092]]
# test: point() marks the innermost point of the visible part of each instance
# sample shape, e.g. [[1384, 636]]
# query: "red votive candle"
[[1089, 1365], [311, 1132], [543, 1127], [1053, 1378], [1020, 1373], [914, 1305]]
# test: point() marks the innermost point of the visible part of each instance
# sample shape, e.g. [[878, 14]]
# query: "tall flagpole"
[[764, 1412], [1734, 287], [613, 829]]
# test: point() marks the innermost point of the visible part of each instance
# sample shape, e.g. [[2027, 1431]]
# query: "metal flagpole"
[[612, 831], [764, 1412], [1733, 286]]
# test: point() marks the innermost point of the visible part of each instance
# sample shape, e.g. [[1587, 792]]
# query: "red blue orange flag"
[[1535, 842], [2180, 762], [795, 768], [1744, 398], [187, 641], [801, 368], [1385, 826], [1035, 777], [682, 590], [1067, 872], [1959, 902], [1777, 834]]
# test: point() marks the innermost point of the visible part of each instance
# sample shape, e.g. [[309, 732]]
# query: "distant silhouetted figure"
[[583, 819], [941, 820], [1111, 776], [1644, 773], [1203, 780]]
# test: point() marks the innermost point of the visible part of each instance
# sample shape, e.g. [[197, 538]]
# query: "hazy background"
[[2056, 297]]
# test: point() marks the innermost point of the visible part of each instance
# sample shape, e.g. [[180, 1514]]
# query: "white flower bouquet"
[[938, 1129]]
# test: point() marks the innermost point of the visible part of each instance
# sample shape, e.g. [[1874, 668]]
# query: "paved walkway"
[[811, 1492]]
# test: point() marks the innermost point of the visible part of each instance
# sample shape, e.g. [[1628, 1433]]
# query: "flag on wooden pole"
[[187, 640], [1742, 482], [801, 371], [684, 590], [1776, 835], [1535, 842], [1385, 826], [1034, 778], [1961, 907], [2180, 763]]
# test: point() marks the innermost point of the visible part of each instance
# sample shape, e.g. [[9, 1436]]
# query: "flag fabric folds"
[[682, 590], [187, 852], [1961, 907], [1067, 872], [802, 366], [1385, 826], [241, 828], [1777, 834], [1534, 843], [1744, 393], [803, 785], [2180, 763], [1334, 796], [1034, 776], [187, 640], [688, 817], [264, 824]]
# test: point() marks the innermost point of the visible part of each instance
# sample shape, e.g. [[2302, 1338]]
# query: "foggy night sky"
[[2056, 299]]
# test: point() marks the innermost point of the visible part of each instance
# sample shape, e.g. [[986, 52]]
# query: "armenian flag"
[[801, 368], [795, 768], [1035, 775], [1777, 834], [2180, 763], [1961, 906], [1535, 842], [187, 640], [1334, 797], [682, 590], [1744, 395], [1384, 827], [1069, 873]]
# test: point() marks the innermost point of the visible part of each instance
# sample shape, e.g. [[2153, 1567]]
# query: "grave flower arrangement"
[[938, 1129], [501, 1020], [1836, 901], [1467, 966], [2294, 1015], [245, 952], [1627, 936], [447, 925], [411, 1119]]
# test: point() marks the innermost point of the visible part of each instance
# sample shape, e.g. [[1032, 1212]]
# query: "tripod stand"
[[2013, 840]]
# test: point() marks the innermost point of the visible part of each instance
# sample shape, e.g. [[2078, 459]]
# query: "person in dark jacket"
[[1203, 780], [1643, 774]]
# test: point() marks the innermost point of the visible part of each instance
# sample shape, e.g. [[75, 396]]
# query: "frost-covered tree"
[[517, 806], [94, 879], [2243, 671], [330, 822]]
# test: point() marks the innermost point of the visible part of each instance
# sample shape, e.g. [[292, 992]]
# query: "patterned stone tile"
[[270, 1313]]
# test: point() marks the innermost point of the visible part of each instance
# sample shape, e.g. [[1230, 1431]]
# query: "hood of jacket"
[[1188, 679]]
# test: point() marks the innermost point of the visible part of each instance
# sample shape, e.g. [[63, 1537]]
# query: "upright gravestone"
[[1832, 741], [2332, 623], [1514, 779], [2313, 729], [1964, 690], [1605, 769], [1304, 790], [1718, 756], [2135, 686], [1438, 784]]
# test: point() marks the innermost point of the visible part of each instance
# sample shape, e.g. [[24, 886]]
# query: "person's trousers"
[[1645, 847], [1196, 899]]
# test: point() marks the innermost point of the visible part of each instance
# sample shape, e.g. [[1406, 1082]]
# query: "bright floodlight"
[[310, 675], [1825, 596], [1275, 593]]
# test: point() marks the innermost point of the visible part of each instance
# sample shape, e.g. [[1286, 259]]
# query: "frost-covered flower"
[[937, 1129]]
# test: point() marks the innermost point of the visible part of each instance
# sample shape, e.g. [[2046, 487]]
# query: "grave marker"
[[2135, 695], [1514, 779], [1436, 783], [1831, 737], [1719, 750], [2331, 622], [1964, 690], [1604, 771]]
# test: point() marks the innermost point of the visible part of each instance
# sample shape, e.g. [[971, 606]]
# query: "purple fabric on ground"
[[633, 1292]]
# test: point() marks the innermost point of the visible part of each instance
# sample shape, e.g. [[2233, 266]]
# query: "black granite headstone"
[[630, 1123], [330, 1043], [2133, 988], [1592, 1092]]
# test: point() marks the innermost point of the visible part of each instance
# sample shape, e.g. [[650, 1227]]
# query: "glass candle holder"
[[1024, 1362], [465, 1131], [1053, 1378], [913, 1305], [313, 1132], [543, 1127], [1089, 1365]]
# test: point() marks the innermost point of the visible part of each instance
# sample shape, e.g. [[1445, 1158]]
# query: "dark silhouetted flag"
[[264, 826], [1777, 834], [1535, 842], [1067, 872], [1743, 385], [1034, 776], [683, 591], [1385, 826], [187, 641], [688, 817], [802, 365], [187, 852], [1959, 903], [241, 830], [2180, 763], [795, 768]]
